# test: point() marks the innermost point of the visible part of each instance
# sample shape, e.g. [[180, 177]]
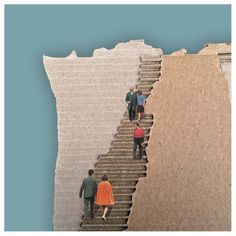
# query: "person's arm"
[[127, 98], [142, 139], [81, 189], [96, 187]]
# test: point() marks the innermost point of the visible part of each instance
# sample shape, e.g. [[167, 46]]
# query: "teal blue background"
[[30, 114]]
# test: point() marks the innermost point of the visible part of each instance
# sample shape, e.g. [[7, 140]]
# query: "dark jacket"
[[89, 186], [132, 99]]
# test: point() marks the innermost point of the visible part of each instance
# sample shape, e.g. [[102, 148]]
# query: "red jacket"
[[138, 133]]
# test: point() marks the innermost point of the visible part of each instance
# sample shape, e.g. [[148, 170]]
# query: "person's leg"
[[86, 203], [130, 115], [140, 150], [133, 114], [102, 209], [139, 116], [134, 150], [105, 212], [91, 207]]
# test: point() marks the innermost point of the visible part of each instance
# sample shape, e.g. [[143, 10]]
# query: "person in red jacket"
[[138, 140], [104, 196]]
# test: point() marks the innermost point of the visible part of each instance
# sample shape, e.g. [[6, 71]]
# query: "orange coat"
[[104, 194]]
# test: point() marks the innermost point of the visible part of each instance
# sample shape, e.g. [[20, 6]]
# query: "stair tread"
[[118, 163], [117, 157], [104, 225]]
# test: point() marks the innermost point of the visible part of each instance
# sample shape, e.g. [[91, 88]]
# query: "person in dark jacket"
[[138, 140], [131, 100], [89, 187]]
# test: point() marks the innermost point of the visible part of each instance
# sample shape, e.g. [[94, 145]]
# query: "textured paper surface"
[[188, 183], [90, 99]]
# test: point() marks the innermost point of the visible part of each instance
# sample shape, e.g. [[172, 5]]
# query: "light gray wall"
[[90, 95]]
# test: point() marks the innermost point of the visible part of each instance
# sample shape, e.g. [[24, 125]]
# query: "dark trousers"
[[131, 114], [138, 142], [88, 207]]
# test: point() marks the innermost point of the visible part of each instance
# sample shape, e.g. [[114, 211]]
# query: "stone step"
[[153, 77], [124, 175], [150, 83], [116, 157], [132, 123], [120, 152], [104, 227], [148, 79], [128, 138], [127, 135], [118, 174], [153, 66], [121, 161], [123, 189], [123, 182], [141, 72], [121, 143], [125, 205], [142, 123], [130, 130], [114, 212], [111, 173], [123, 149], [150, 59], [143, 90], [123, 196], [131, 127], [117, 167], [146, 94], [125, 145], [145, 116], [113, 181], [128, 147], [118, 204], [148, 74], [109, 220], [147, 86], [146, 83], [133, 165]]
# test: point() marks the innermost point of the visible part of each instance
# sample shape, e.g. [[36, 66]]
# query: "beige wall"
[[90, 95], [188, 183]]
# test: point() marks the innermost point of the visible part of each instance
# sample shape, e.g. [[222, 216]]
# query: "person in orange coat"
[[104, 196]]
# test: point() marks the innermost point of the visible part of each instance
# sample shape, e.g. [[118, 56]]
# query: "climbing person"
[[141, 102], [131, 100], [138, 140], [104, 196], [89, 187]]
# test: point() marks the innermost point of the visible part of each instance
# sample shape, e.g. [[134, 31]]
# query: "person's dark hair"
[[90, 172], [104, 178], [140, 92]]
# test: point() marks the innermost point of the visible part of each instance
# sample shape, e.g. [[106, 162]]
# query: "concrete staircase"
[[124, 172]]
